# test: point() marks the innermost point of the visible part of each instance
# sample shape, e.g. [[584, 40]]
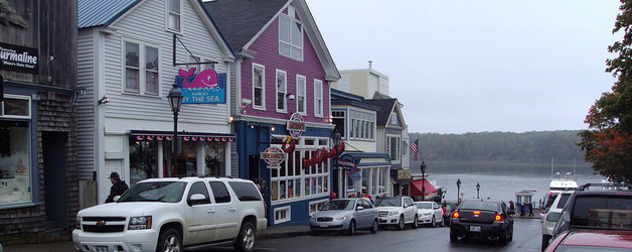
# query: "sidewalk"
[[67, 246]]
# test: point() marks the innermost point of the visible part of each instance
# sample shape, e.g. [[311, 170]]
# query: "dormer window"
[[173, 15], [290, 35]]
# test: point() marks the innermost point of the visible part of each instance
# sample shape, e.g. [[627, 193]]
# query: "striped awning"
[[144, 135]]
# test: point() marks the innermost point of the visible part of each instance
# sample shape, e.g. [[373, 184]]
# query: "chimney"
[[370, 64]]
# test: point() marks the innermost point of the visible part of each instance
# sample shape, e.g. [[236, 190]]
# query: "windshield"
[[423, 205], [155, 191], [388, 202], [480, 205], [338, 205]]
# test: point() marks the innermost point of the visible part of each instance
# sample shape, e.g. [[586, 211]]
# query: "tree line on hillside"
[[528, 147]]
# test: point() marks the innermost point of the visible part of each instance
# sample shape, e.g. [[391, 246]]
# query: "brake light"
[[498, 218], [455, 215], [477, 212]]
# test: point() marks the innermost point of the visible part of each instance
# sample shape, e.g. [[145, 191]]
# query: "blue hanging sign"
[[207, 87]]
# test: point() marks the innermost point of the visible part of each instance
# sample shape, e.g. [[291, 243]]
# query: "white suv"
[[397, 211], [169, 214], [553, 214]]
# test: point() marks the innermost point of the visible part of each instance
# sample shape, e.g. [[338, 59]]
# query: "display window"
[[15, 151]]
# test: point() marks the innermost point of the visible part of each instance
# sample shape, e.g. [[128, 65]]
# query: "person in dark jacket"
[[118, 187]]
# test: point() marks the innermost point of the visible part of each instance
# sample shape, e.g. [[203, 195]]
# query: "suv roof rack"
[[605, 186]]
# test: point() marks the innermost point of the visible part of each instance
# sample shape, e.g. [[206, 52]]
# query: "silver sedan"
[[345, 215]]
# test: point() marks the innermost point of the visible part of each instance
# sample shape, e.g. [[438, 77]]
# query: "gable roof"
[[386, 107], [91, 13], [241, 21]]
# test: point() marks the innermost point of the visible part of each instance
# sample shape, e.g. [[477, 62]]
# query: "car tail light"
[[498, 218], [477, 212], [455, 215]]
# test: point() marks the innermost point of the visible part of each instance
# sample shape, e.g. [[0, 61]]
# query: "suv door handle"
[[212, 211], [231, 209]]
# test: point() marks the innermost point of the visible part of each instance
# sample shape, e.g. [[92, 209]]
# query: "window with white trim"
[[174, 15], [393, 147], [135, 73], [282, 214], [258, 86], [290, 35], [318, 98], [281, 91], [338, 119], [15, 151], [362, 125], [293, 180], [301, 103]]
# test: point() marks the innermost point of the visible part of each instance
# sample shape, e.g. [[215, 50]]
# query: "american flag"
[[415, 148]]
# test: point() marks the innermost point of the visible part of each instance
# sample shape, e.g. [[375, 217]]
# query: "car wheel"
[[433, 222], [374, 227], [352, 227], [442, 223], [504, 239], [545, 242], [401, 224], [511, 233], [169, 241], [316, 233], [416, 222], [246, 238], [454, 237]]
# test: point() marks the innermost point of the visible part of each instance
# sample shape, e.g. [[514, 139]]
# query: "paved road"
[[527, 235]]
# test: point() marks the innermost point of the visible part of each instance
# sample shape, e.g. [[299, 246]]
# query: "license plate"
[[101, 248], [323, 225], [475, 228]]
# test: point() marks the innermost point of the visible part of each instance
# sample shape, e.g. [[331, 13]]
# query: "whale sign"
[[207, 87]]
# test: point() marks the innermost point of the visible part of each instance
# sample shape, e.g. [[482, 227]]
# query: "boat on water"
[[556, 186]]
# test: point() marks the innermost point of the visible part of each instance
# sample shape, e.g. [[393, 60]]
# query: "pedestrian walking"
[[523, 208], [118, 187], [530, 206]]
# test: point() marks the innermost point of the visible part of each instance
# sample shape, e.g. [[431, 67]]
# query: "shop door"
[[54, 155]]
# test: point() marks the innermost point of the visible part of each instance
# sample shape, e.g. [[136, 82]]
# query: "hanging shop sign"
[[19, 58], [207, 87], [273, 156], [296, 125], [403, 174], [356, 176]]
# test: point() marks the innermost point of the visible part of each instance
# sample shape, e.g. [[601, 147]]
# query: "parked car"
[[597, 206], [170, 214], [345, 215], [592, 240], [491, 220], [554, 212], [429, 212], [397, 211]]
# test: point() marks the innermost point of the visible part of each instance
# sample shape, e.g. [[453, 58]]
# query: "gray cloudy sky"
[[479, 65]]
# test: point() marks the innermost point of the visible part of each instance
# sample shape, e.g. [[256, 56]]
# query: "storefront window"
[[293, 181], [214, 158], [143, 160], [15, 168]]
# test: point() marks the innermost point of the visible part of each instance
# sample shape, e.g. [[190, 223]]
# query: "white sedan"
[[429, 212]]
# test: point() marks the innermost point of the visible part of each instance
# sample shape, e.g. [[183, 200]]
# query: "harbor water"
[[499, 187]]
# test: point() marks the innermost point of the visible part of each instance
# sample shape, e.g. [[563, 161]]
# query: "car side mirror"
[[359, 208], [197, 198]]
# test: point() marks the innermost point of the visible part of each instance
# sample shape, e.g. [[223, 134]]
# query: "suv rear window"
[[602, 211], [563, 199], [245, 191]]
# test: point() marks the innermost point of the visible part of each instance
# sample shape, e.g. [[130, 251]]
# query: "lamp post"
[[175, 101], [337, 138], [478, 188], [423, 180], [458, 190]]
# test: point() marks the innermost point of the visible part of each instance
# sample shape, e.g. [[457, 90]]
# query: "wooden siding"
[[267, 48], [86, 130], [134, 26]]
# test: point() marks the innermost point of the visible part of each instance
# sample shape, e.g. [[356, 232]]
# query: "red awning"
[[415, 188]]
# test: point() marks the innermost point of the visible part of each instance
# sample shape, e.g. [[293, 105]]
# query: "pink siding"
[[267, 49]]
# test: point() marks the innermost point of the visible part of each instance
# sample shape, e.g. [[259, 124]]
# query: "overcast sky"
[[479, 65]]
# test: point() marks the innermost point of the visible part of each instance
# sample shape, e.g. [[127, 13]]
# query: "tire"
[[352, 228], [504, 239], [442, 224], [169, 241], [416, 222], [545, 242], [316, 233], [401, 224], [433, 223], [246, 238], [454, 237], [375, 227], [511, 233]]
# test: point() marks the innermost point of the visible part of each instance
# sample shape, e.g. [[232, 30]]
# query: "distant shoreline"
[[502, 167]]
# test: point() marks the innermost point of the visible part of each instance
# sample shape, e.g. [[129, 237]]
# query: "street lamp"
[[175, 101], [458, 190], [337, 138], [478, 188], [423, 180]]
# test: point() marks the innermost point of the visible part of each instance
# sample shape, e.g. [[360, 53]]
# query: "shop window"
[[214, 158], [15, 168], [142, 160]]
